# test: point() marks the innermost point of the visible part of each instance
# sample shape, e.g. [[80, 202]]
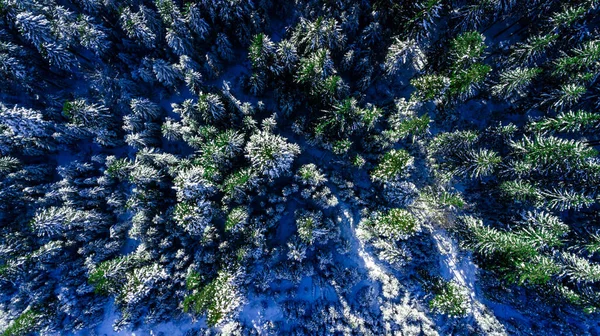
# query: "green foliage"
[[565, 199], [538, 271], [314, 68], [203, 300], [520, 190], [490, 241], [107, 277], [430, 86], [193, 280], [464, 82], [118, 168], [466, 48], [261, 49], [415, 126], [515, 81], [239, 182], [533, 47], [309, 225], [358, 161], [215, 299], [580, 269], [451, 199], [346, 117], [569, 122], [396, 224], [566, 96], [448, 143], [310, 174], [237, 216], [24, 324], [341, 147], [9, 164], [480, 163], [523, 261], [271, 154], [450, 299], [392, 165], [544, 230], [593, 245], [549, 152], [569, 15]]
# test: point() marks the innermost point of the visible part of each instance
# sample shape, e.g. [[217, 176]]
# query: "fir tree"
[[392, 165], [270, 154]]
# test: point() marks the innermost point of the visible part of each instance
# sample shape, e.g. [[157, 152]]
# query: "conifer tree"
[[270, 154]]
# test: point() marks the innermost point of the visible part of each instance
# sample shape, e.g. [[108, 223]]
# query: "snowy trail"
[[464, 271], [452, 267], [372, 266]]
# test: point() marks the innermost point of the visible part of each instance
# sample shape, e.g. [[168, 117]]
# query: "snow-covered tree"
[[270, 154]]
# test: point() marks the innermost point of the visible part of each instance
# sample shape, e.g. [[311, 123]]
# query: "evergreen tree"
[[392, 165], [515, 81], [270, 154]]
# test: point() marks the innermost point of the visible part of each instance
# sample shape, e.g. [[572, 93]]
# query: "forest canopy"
[[261, 167]]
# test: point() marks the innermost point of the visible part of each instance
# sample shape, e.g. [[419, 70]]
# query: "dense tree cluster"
[[300, 167]]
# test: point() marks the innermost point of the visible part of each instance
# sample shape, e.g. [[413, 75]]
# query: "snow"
[[179, 327], [464, 272]]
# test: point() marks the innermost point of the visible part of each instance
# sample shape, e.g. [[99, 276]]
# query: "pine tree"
[[270, 154], [549, 152], [311, 227], [568, 16], [489, 242], [515, 81], [570, 122], [466, 49], [310, 175], [321, 33], [55, 221], [240, 182], [211, 107], [177, 39], [140, 283], [262, 52], [395, 224], [430, 86], [194, 217], [35, 28], [565, 199], [25, 323], [137, 27], [24, 130], [392, 165], [92, 36], [580, 269], [464, 83], [533, 48], [538, 271], [217, 298], [566, 96], [422, 23], [109, 275], [166, 73], [452, 143], [224, 47], [520, 190], [347, 117], [236, 219], [481, 163], [192, 183], [450, 299], [287, 54], [196, 22]]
